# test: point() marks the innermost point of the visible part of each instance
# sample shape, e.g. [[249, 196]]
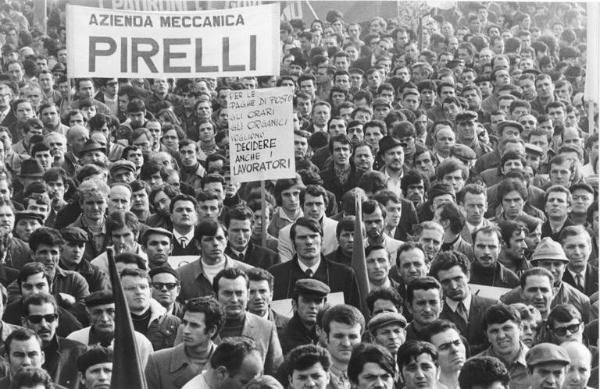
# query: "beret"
[[122, 164], [463, 152], [100, 297], [94, 356], [388, 142]]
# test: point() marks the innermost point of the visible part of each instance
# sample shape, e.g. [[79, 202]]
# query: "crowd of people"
[[464, 138]]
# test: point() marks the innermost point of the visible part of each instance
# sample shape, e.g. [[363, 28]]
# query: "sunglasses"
[[562, 331], [168, 285], [37, 319]]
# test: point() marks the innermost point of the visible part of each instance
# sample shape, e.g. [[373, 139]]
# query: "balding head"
[[77, 131], [580, 369]]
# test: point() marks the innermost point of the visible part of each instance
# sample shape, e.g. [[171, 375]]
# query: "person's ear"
[[221, 373]]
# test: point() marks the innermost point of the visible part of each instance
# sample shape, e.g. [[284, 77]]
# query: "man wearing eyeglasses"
[[565, 325], [100, 307], [41, 315], [165, 289]]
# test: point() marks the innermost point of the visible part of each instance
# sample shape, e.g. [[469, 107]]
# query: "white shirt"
[[188, 237], [304, 268], [454, 304], [210, 271]]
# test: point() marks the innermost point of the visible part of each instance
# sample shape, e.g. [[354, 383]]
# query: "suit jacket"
[[264, 334], [329, 242], [169, 368], [466, 234], [474, 329], [256, 256], [338, 277], [190, 249], [591, 280]]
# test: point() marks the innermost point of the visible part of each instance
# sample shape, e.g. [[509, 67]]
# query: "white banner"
[[218, 43], [261, 134]]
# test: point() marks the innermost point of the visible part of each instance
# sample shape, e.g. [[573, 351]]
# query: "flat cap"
[[440, 189], [384, 319], [381, 101], [74, 235], [156, 230], [31, 168], [463, 152], [466, 115], [311, 287], [163, 269], [94, 356], [122, 164], [550, 250], [99, 297], [546, 353], [509, 123], [422, 64], [20, 215], [388, 142], [533, 149]]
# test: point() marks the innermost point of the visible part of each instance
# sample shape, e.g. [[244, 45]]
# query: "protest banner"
[[261, 135], [218, 43]]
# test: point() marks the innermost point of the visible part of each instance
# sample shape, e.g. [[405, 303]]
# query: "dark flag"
[[127, 366], [359, 263]]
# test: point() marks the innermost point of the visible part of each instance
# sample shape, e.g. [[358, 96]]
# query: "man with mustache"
[[40, 315], [374, 215], [485, 269], [392, 155], [231, 288], [461, 306]]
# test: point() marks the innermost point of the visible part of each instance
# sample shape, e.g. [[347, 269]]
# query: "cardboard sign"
[[261, 134], [180, 260], [134, 44], [491, 292]]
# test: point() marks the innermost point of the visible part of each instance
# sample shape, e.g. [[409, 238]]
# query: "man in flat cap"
[[308, 298], [95, 367], [388, 330], [100, 307], [123, 171], [466, 132], [547, 364], [71, 258]]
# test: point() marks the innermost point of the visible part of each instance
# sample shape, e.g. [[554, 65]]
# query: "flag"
[[127, 365], [359, 263]]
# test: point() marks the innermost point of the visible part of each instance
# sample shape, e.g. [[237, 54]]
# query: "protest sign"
[[218, 43], [261, 135]]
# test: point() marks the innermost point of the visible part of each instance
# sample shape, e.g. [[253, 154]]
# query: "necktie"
[[183, 241], [579, 282], [309, 273], [462, 312], [241, 257]]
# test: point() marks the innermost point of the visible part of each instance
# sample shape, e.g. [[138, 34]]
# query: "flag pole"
[[358, 253], [127, 366], [263, 215]]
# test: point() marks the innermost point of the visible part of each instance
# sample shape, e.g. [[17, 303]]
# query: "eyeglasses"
[[562, 331], [168, 285], [37, 319]]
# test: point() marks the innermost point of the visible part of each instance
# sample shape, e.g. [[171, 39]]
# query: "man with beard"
[[414, 186], [392, 154], [231, 288], [308, 299], [461, 306], [100, 307], [373, 214], [160, 199], [343, 326], [502, 324], [581, 274], [157, 244], [388, 330], [71, 258], [165, 289], [148, 316], [485, 269], [202, 321], [40, 315], [238, 222], [123, 229], [452, 352]]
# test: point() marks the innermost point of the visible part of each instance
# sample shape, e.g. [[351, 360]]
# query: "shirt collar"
[[304, 268], [574, 274], [189, 236], [454, 304]]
